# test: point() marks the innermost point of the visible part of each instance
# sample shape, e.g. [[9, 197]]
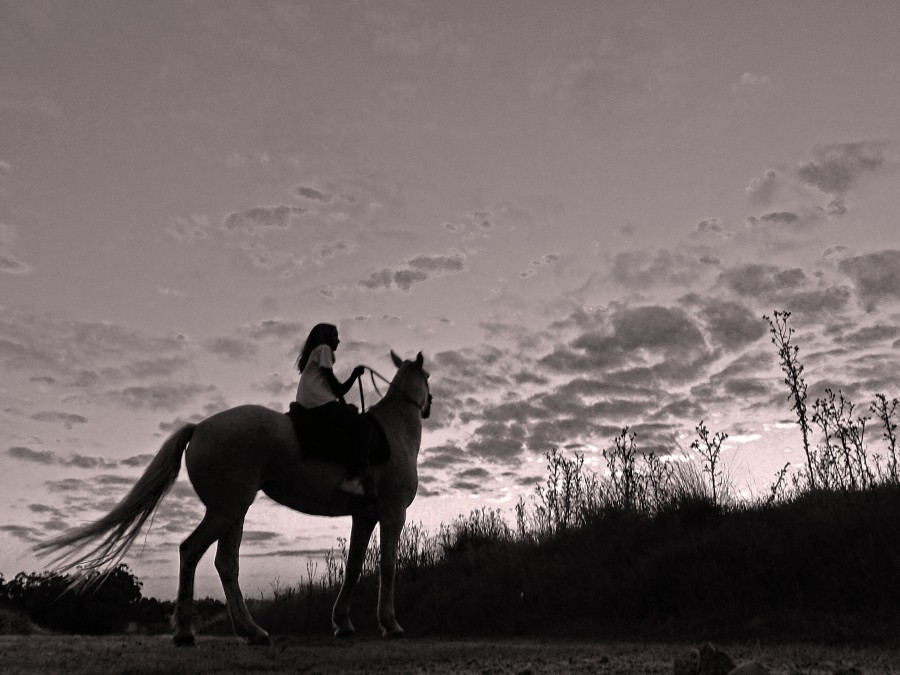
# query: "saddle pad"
[[332, 444]]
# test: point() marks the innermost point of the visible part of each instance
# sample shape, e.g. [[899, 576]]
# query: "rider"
[[322, 394]]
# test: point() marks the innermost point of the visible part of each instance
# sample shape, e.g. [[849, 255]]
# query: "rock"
[[714, 661], [750, 668], [704, 661]]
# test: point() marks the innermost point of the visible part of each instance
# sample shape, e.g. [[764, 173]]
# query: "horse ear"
[[396, 359], [419, 359]]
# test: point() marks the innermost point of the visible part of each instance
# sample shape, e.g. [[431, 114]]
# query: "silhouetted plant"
[[793, 378], [710, 449], [565, 499], [886, 412], [841, 461], [624, 481]]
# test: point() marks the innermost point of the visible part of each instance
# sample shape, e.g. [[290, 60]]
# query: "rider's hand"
[[358, 372]]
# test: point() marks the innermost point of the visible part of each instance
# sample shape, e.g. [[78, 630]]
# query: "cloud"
[[710, 225], [68, 420], [278, 329], [28, 455], [138, 460], [876, 276], [162, 366], [84, 462], [255, 536], [263, 257], [731, 324], [232, 348], [643, 269], [256, 220], [442, 457], [156, 397], [756, 280], [189, 229], [762, 191], [788, 221], [868, 336], [789, 288], [417, 270], [643, 346], [26, 534], [49, 457], [312, 194], [752, 85], [340, 247], [838, 167], [780, 217], [12, 265]]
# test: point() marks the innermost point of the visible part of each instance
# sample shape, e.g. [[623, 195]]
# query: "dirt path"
[[156, 655]]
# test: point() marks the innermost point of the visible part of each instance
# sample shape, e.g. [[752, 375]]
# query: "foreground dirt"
[[146, 655]]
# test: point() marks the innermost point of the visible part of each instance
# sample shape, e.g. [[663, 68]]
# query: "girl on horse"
[[321, 394]]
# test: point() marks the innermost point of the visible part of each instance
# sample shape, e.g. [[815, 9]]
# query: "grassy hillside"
[[820, 567]]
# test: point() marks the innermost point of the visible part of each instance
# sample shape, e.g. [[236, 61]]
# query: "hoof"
[[344, 632], [392, 634], [259, 641], [183, 640]]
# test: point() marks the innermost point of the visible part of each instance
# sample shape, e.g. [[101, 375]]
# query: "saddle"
[[328, 440]]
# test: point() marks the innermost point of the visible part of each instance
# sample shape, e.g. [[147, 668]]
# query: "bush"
[[50, 600]]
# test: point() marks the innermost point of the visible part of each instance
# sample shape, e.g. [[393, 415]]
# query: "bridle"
[[424, 408]]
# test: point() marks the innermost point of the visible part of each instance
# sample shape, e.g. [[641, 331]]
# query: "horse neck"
[[399, 417]]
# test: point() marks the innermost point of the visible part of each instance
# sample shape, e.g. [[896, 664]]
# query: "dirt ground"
[[146, 655]]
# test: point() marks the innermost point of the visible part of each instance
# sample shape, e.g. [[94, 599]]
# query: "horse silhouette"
[[234, 454]]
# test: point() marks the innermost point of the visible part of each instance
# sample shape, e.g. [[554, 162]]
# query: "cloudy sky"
[[578, 211]]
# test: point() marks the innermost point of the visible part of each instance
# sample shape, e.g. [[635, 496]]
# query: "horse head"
[[411, 381]]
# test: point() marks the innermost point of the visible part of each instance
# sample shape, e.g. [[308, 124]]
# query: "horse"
[[230, 457]]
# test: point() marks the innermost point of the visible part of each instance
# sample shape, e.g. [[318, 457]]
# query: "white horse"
[[236, 453]]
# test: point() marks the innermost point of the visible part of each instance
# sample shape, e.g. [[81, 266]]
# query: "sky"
[[578, 211]]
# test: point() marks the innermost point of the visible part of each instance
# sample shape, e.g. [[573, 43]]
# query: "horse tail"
[[114, 533]]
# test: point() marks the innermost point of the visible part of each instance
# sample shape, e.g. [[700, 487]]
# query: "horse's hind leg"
[[360, 534], [213, 526], [227, 554]]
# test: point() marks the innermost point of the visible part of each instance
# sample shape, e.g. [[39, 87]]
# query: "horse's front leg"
[[360, 534], [391, 526]]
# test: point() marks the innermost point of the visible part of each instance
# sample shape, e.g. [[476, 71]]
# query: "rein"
[[372, 374]]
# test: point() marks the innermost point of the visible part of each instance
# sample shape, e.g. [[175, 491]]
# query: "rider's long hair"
[[317, 336]]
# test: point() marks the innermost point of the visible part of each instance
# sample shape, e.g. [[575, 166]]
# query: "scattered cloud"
[[762, 191], [49, 457], [68, 420], [876, 277], [313, 194], [28, 455], [838, 167], [232, 348], [258, 219], [711, 226], [417, 270], [169, 397], [641, 270], [752, 84], [189, 229], [12, 265]]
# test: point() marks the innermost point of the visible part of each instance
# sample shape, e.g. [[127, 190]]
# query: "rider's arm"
[[341, 389]]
